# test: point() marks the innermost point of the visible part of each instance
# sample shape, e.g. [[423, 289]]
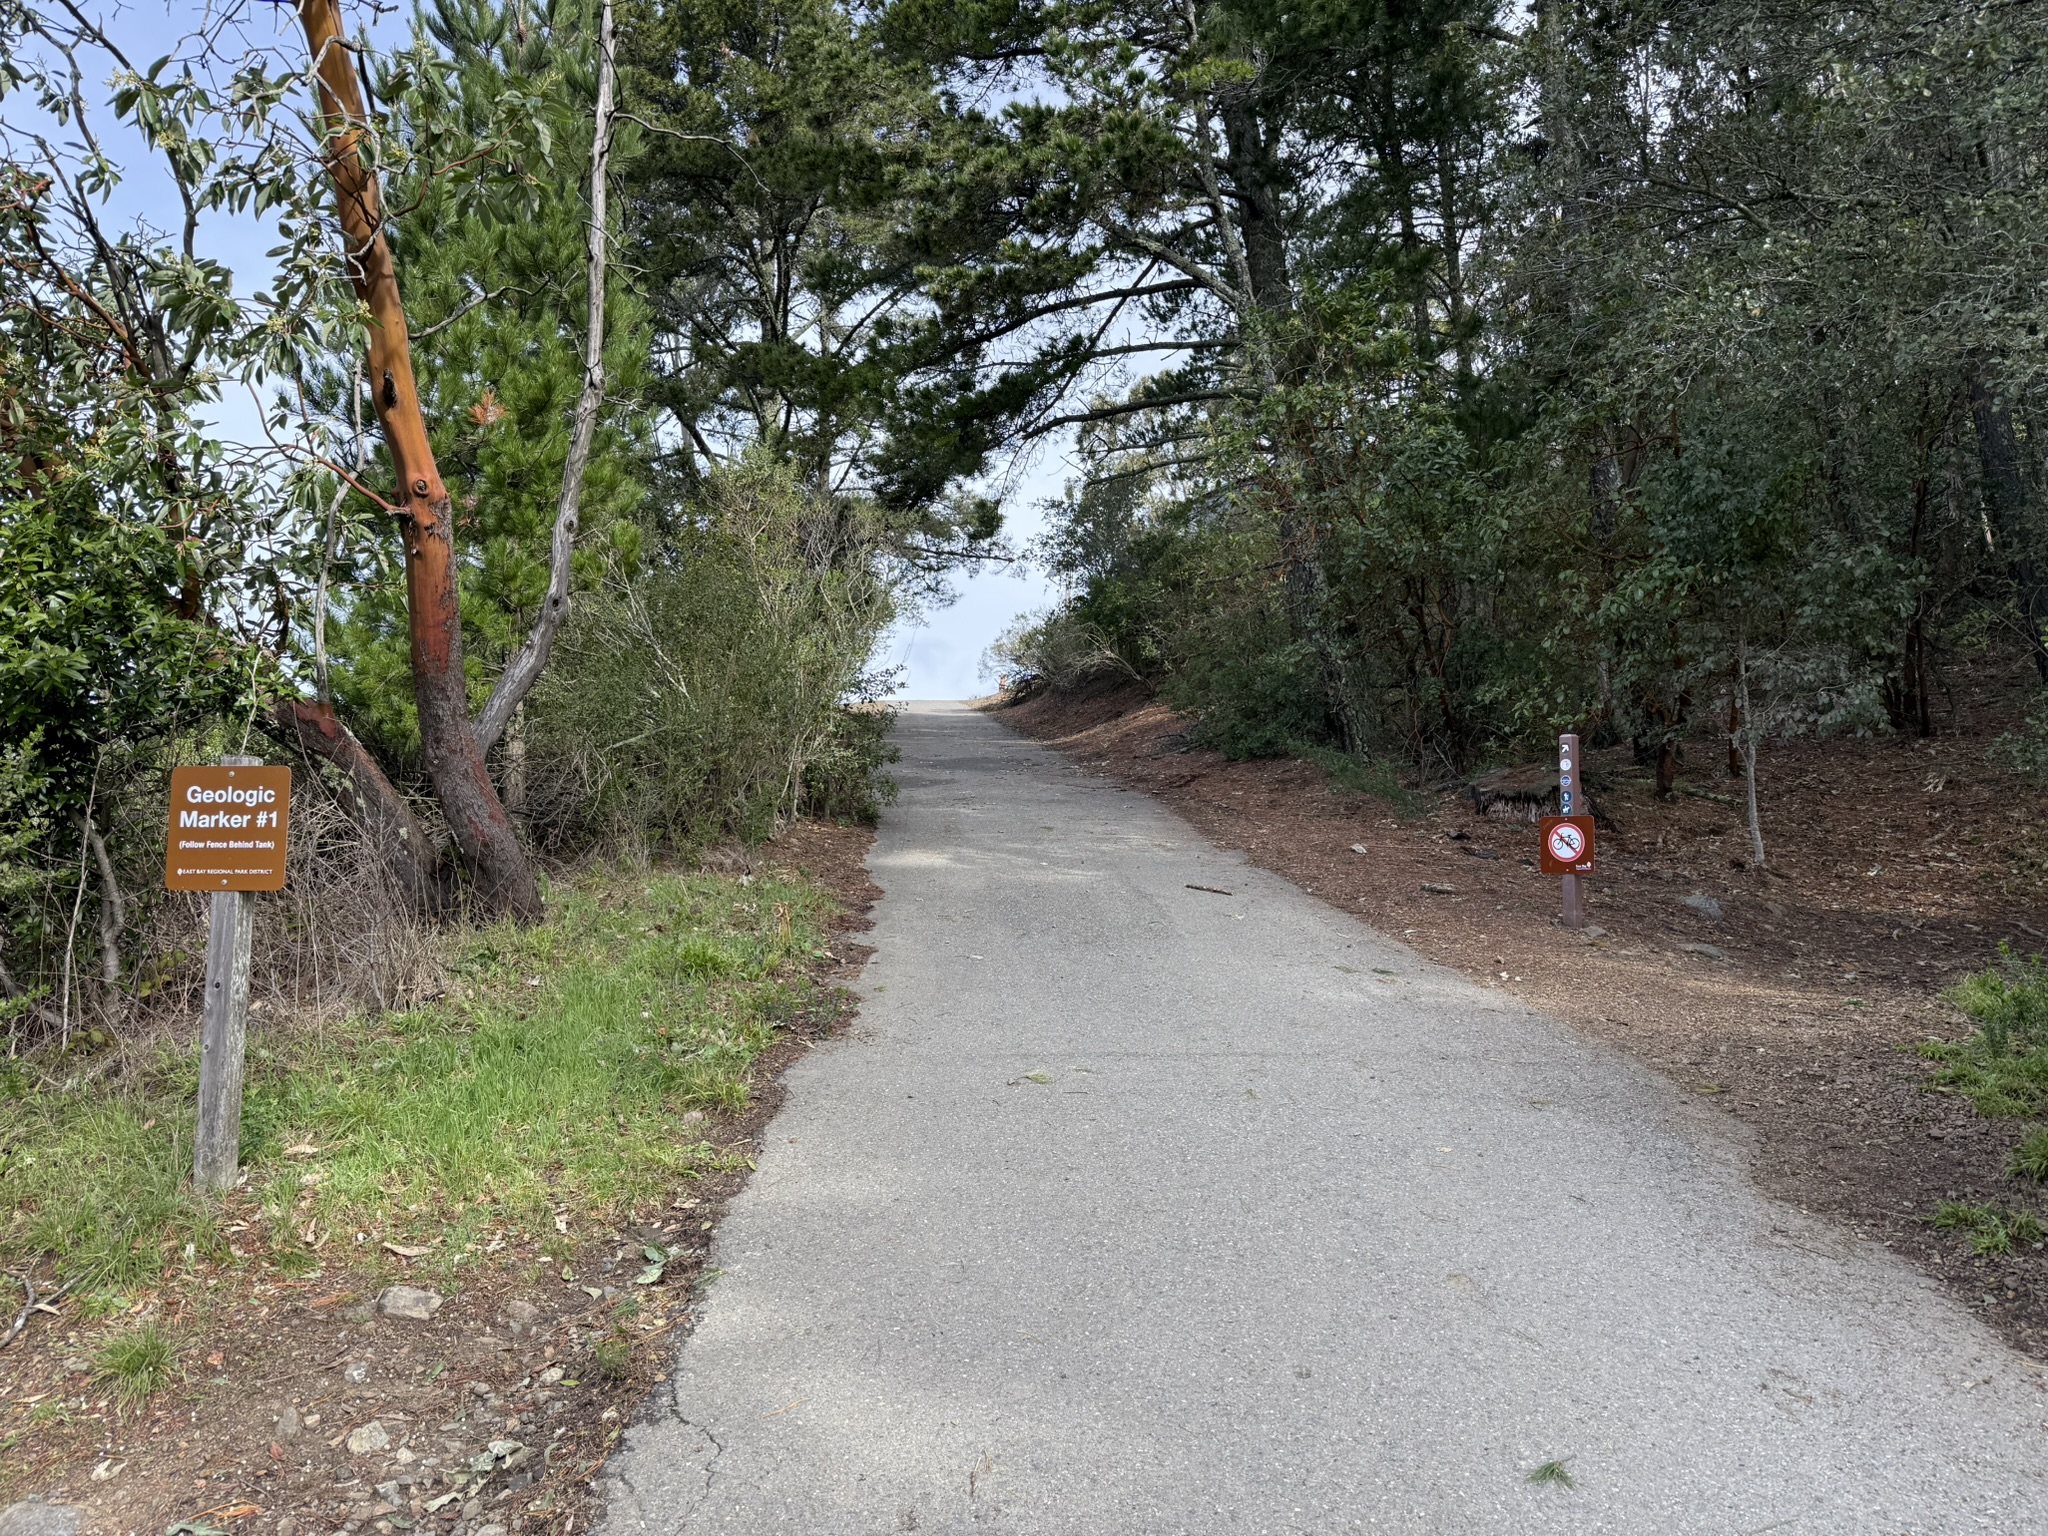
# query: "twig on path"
[[33, 1305], [1213, 890]]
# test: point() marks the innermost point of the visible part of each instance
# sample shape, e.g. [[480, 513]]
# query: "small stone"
[[388, 1492], [369, 1439], [409, 1302], [288, 1426], [521, 1318], [1705, 905], [1436, 889], [32, 1517], [488, 1530], [76, 1365], [551, 1375], [287, 1526], [1705, 951], [356, 1371], [311, 1421], [479, 1389]]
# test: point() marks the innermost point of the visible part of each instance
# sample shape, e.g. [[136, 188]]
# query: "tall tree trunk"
[[499, 868], [2007, 501], [1750, 742]]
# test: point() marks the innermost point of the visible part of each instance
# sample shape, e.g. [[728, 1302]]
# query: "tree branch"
[[525, 668]]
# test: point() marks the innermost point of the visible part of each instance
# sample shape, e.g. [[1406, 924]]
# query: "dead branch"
[[524, 669]]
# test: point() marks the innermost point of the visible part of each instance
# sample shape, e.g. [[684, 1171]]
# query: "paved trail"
[[1133, 1209]]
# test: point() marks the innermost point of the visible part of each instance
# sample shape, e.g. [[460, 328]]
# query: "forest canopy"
[[1435, 376]]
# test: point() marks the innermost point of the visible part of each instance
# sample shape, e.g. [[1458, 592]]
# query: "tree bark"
[[113, 909], [499, 868], [374, 803]]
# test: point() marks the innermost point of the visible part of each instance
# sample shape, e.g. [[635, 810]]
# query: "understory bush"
[[709, 696]]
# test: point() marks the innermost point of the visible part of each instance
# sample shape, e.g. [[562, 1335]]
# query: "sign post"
[[226, 836], [1568, 837]]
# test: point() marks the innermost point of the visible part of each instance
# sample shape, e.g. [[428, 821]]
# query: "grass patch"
[[136, 1363], [1364, 777], [2030, 1157], [553, 1074], [1555, 1473], [1990, 1229], [2002, 1069]]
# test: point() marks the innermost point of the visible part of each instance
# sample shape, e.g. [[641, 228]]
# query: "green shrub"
[[707, 698]]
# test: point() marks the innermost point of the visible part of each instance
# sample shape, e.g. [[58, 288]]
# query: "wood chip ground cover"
[[1897, 869], [569, 1258]]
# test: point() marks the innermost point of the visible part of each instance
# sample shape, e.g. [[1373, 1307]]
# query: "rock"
[[76, 1365], [288, 1426], [488, 1530], [1434, 889], [287, 1526], [388, 1492], [1704, 905], [369, 1439], [408, 1302], [551, 1375], [32, 1517], [1705, 951], [311, 1421], [521, 1318], [356, 1372]]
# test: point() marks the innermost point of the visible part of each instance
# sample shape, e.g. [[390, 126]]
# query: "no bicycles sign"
[[1567, 845]]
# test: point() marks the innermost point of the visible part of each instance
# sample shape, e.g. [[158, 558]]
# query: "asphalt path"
[[1132, 1207]]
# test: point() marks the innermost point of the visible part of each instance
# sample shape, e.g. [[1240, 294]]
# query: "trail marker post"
[[226, 835], [1568, 837]]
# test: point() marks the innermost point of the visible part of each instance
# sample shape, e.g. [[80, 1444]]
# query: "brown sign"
[[227, 829], [1567, 845]]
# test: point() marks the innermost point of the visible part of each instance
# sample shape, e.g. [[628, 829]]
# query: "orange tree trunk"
[[499, 867]]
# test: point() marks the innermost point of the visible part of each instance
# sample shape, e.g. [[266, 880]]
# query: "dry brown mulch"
[[1895, 868], [509, 1398]]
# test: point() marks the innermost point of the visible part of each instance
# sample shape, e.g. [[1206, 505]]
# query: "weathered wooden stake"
[[224, 1030]]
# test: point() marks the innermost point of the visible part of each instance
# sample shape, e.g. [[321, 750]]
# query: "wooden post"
[[217, 1143], [1568, 777]]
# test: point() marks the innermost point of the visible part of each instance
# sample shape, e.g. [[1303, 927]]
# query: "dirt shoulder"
[[1896, 868], [301, 1406]]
